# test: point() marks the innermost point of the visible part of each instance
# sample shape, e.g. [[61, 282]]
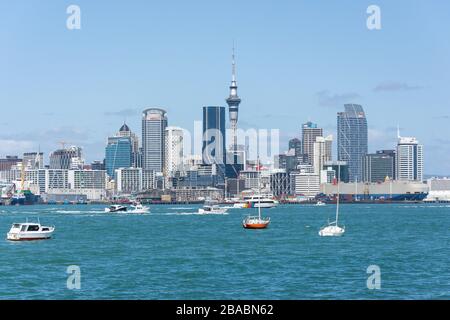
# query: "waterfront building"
[[439, 190], [330, 171], [305, 184], [154, 123], [118, 154], [66, 158], [310, 132], [133, 180], [280, 185], [173, 150], [379, 166], [409, 159], [8, 162], [322, 152], [352, 143]]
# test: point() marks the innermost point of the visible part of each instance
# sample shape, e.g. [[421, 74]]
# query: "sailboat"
[[257, 222], [333, 229]]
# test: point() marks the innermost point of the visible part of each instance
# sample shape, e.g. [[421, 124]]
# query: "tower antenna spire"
[[233, 64]]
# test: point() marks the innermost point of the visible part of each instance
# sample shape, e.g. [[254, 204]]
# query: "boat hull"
[[255, 225], [29, 237]]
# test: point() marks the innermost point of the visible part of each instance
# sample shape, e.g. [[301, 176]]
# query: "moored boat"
[[29, 231]]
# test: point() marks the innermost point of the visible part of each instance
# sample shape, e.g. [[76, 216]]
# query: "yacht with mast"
[[333, 229], [257, 222]]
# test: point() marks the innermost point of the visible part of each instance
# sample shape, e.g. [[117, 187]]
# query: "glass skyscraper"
[[154, 123], [213, 147], [352, 143], [118, 154]]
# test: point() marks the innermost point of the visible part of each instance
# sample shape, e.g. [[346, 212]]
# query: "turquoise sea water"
[[174, 253]]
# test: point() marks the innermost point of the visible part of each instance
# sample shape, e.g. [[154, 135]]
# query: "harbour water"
[[174, 253]]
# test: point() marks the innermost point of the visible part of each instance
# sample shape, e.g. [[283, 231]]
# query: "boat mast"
[[258, 168], [338, 193]]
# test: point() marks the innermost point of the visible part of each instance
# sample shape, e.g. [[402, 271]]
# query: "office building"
[[310, 132], [154, 123], [352, 144], [213, 147], [379, 166], [173, 150], [118, 154], [67, 158], [322, 152], [409, 159]]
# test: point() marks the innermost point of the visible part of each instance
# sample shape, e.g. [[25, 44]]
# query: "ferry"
[[29, 231], [260, 201]]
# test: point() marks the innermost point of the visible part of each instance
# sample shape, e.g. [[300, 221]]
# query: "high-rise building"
[[296, 145], [352, 144], [213, 147], [409, 159], [154, 123], [322, 152], [173, 150], [125, 131], [34, 160], [310, 132], [69, 158], [379, 166], [8, 162], [118, 154]]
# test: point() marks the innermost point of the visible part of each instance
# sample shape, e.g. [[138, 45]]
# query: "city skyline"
[[62, 103]]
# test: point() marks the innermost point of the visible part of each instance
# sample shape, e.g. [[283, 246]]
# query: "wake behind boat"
[[212, 207], [139, 208], [29, 231]]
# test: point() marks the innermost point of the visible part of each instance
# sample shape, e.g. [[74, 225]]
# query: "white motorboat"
[[212, 207], [139, 208], [29, 231], [116, 208], [320, 203]]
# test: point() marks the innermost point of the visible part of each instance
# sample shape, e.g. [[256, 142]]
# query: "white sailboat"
[[333, 229]]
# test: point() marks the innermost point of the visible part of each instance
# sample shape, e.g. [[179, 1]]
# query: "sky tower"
[[233, 102]]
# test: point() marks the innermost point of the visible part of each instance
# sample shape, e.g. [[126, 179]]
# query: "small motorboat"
[[212, 207], [320, 204], [139, 208], [116, 208], [256, 222], [29, 231]]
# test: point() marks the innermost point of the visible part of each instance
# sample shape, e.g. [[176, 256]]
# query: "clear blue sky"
[[297, 61]]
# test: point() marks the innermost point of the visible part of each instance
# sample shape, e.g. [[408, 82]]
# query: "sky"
[[296, 61]]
